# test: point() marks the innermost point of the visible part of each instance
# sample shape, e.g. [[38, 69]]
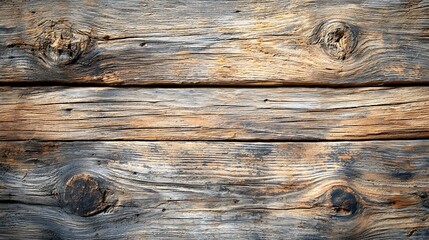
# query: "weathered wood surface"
[[58, 113], [81, 162], [239, 42], [211, 190]]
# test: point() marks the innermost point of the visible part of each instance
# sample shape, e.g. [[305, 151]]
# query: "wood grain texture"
[[58, 113], [211, 190], [240, 42]]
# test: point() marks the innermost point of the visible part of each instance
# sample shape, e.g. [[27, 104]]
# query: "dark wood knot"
[[60, 44], [84, 196], [424, 198], [343, 201], [337, 39]]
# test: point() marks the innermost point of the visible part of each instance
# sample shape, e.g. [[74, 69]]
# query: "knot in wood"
[[425, 199], [344, 201], [83, 196], [60, 44], [337, 39]]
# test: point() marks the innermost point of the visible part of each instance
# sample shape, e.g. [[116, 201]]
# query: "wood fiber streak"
[[220, 42], [210, 190], [57, 113]]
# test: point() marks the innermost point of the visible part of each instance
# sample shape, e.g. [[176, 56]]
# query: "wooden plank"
[[220, 42], [58, 113], [214, 190]]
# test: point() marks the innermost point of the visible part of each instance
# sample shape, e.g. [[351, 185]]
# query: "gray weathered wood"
[[210, 190], [57, 113], [240, 42], [98, 173]]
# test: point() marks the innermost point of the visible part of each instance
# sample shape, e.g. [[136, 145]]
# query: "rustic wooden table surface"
[[203, 119]]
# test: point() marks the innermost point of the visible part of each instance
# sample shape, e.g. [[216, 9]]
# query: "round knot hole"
[[84, 196], [59, 43], [337, 39], [344, 201]]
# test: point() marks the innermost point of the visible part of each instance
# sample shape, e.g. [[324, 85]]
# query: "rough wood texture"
[[241, 42], [78, 156], [210, 190], [57, 113]]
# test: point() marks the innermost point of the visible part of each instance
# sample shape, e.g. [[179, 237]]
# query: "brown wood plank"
[[241, 42], [58, 113], [211, 190]]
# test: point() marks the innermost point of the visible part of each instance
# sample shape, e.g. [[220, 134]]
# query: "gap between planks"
[[226, 140], [392, 84]]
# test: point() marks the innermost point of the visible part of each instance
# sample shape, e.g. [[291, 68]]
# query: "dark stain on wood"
[[402, 175], [419, 233]]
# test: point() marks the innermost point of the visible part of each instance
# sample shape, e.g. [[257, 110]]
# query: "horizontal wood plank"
[[58, 113], [211, 190], [220, 42]]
